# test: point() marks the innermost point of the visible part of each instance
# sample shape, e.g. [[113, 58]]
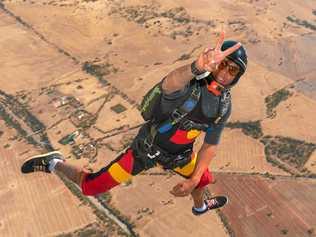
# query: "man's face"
[[226, 72]]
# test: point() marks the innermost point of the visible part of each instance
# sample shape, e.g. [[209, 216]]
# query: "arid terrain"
[[72, 74]]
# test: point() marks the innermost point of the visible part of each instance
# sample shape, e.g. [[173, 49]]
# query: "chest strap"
[[179, 113], [188, 124]]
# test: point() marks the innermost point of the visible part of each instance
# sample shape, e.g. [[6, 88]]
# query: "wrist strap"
[[197, 73], [203, 75]]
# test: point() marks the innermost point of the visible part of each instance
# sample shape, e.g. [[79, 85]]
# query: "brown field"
[[294, 118], [241, 153], [36, 205], [130, 116], [109, 53], [257, 84], [311, 163], [155, 212], [263, 207], [40, 58]]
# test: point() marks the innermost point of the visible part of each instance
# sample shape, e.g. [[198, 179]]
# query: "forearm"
[[177, 79], [204, 158]]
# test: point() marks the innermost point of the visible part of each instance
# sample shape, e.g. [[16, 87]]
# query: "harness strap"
[[179, 113], [188, 124], [151, 155]]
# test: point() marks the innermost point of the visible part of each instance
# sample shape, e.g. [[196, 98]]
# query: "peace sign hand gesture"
[[212, 57]]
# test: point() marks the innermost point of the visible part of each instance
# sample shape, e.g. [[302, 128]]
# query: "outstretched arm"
[[208, 60], [177, 79], [206, 153]]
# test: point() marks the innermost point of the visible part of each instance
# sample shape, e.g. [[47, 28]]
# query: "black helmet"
[[239, 57]]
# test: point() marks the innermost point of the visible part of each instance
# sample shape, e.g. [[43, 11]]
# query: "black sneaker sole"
[[28, 167]]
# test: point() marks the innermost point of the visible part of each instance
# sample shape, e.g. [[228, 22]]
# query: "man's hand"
[[184, 188], [212, 57]]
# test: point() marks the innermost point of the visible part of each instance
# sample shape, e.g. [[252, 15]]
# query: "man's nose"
[[226, 72]]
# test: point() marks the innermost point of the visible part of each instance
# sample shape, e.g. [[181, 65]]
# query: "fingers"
[[178, 191], [178, 194], [207, 50], [220, 41], [211, 62], [231, 49], [211, 67], [178, 188], [211, 56]]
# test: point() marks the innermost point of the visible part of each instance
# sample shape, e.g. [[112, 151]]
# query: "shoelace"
[[40, 166], [213, 202]]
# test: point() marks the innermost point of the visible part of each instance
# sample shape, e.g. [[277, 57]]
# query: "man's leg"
[[72, 172], [198, 193], [120, 170], [198, 197], [200, 204]]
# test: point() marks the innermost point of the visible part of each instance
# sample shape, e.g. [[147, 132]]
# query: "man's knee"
[[117, 172], [92, 185], [206, 179]]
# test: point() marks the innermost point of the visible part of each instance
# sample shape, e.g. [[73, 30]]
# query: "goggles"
[[233, 70]]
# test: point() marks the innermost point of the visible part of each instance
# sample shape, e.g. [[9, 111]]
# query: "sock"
[[53, 163], [200, 209]]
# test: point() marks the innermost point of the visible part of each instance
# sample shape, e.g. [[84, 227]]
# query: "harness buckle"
[[217, 119], [179, 160], [153, 156], [176, 114], [187, 125], [196, 93], [150, 152]]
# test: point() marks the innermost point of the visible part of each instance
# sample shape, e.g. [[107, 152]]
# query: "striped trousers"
[[124, 167]]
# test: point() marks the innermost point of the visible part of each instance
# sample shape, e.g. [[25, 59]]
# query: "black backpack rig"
[[149, 107]]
